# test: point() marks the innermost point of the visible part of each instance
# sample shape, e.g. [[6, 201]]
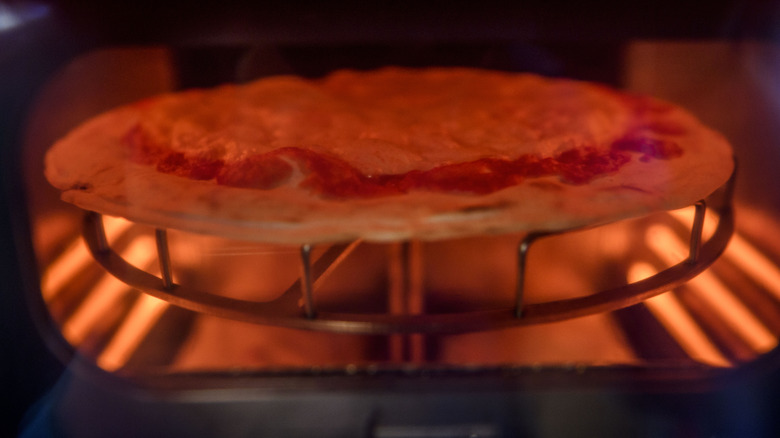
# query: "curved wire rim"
[[292, 311]]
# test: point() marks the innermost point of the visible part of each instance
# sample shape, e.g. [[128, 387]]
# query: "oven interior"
[[723, 318], [464, 380]]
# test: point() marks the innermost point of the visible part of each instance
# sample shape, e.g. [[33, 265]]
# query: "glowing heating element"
[[146, 311], [678, 322], [76, 258], [107, 293], [745, 256], [755, 264], [671, 249]]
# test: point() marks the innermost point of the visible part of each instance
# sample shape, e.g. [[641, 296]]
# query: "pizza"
[[389, 154]]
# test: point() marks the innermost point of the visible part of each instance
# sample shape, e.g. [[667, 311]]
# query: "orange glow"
[[678, 322], [146, 311], [755, 264], [685, 217], [746, 257], [76, 258], [665, 243], [106, 293]]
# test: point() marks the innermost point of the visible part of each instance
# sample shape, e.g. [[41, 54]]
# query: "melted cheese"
[[391, 120]]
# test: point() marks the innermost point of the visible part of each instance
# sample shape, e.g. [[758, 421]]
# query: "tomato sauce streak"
[[335, 178]]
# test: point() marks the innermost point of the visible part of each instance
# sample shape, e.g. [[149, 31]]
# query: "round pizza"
[[389, 154]]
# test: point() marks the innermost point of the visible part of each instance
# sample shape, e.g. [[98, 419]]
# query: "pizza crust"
[[91, 168]]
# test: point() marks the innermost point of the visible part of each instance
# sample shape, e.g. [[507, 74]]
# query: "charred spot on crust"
[[82, 186], [630, 187], [481, 208]]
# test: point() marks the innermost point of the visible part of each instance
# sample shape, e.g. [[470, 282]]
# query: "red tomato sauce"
[[333, 177]]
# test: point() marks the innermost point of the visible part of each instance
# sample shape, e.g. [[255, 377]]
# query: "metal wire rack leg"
[[164, 257], [696, 231], [522, 261], [306, 282]]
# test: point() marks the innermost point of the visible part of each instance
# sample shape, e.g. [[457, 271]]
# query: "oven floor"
[[221, 344]]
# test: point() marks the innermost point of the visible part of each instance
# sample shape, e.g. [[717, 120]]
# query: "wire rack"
[[296, 308]]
